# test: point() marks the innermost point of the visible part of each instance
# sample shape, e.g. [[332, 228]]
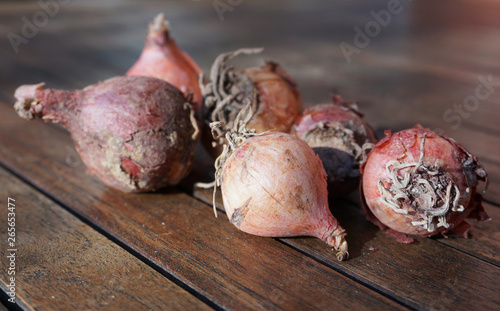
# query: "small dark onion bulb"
[[338, 134]]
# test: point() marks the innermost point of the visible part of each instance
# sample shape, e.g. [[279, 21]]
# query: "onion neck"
[[32, 101], [159, 32]]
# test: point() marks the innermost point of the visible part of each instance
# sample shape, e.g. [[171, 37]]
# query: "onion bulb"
[[416, 182], [341, 138], [271, 90], [161, 58], [273, 185], [135, 133]]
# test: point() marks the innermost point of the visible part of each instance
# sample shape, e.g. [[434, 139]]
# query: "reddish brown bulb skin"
[[315, 126], [280, 101], [162, 58], [405, 146], [274, 185], [134, 133]]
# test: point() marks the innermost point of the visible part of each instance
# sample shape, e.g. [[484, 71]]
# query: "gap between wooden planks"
[[50, 147], [180, 236], [63, 263]]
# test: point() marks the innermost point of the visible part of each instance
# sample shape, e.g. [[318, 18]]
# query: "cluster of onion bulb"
[[272, 184], [137, 133]]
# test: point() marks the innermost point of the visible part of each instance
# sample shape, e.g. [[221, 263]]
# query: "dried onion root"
[[419, 183]]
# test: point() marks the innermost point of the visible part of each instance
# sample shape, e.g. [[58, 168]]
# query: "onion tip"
[[342, 253], [159, 24]]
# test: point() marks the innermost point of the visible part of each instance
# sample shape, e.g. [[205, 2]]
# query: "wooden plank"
[[485, 238], [181, 236], [62, 263], [430, 275], [91, 49]]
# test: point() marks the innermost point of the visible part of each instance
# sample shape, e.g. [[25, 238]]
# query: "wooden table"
[[81, 245]]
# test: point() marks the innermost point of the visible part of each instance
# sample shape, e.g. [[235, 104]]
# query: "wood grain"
[[485, 237], [64, 264], [180, 236], [426, 275]]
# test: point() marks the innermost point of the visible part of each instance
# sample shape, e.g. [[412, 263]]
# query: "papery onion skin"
[[162, 58], [274, 185], [454, 167], [274, 94], [279, 98], [338, 134], [136, 134]]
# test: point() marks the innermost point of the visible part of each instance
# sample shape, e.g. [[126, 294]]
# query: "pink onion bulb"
[[274, 185], [419, 183], [161, 58], [135, 133]]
